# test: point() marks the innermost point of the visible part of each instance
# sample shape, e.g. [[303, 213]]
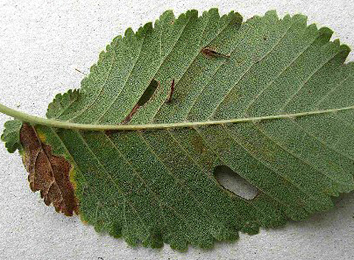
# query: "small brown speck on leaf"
[[209, 52], [169, 100], [129, 117], [48, 173]]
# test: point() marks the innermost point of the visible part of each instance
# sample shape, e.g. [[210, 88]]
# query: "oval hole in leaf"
[[234, 183], [149, 91], [146, 96]]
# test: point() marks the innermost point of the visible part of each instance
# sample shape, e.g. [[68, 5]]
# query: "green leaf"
[[11, 135], [166, 108]]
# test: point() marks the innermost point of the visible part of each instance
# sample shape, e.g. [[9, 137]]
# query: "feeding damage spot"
[[210, 52], [234, 183], [171, 92], [148, 93], [129, 117], [48, 173]]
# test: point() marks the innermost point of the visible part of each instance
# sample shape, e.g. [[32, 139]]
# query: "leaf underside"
[[155, 186]]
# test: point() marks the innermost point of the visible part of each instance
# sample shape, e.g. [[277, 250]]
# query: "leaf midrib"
[[69, 125]]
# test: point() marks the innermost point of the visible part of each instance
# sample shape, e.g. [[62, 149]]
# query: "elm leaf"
[[137, 151]]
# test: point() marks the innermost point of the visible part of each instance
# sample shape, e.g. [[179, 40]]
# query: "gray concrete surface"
[[41, 45]]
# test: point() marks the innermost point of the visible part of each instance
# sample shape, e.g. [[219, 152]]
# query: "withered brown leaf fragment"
[[48, 173]]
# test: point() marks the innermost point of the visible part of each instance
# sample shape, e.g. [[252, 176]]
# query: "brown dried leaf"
[[48, 174]]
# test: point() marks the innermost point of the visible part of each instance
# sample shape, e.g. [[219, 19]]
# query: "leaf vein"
[[249, 68]]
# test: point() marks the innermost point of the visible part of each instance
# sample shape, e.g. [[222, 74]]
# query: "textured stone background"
[[41, 45]]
